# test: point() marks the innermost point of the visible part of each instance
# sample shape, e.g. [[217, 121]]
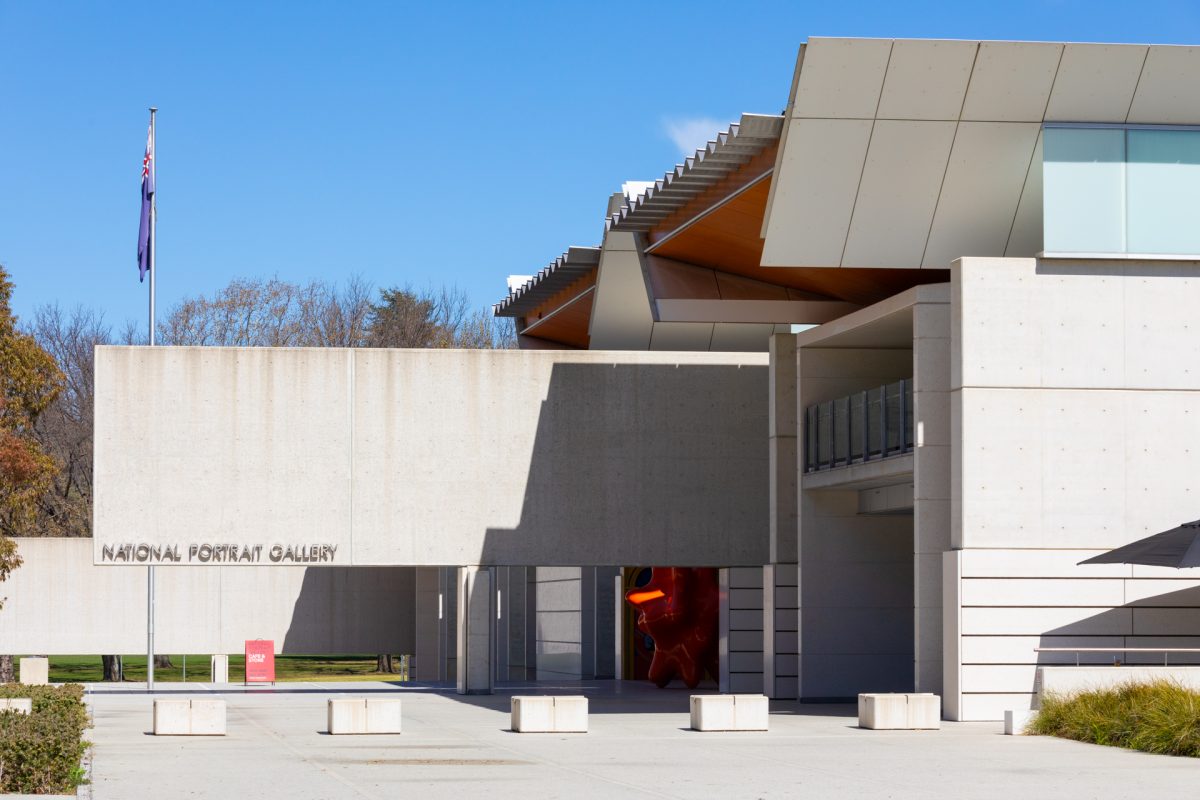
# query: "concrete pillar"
[[431, 627], [618, 626], [780, 588], [476, 655]]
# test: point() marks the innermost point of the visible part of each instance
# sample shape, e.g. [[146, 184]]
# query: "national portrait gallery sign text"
[[144, 553]]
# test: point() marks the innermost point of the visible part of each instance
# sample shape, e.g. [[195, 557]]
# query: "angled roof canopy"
[[556, 276], [724, 155], [908, 154]]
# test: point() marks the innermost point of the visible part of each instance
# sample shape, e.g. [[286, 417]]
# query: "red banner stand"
[[260, 661]]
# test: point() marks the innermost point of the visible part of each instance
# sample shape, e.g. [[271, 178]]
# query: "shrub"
[[1161, 717], [40, 753]]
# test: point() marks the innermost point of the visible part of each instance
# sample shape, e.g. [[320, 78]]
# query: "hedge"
[[1161, 717], [41, 753]]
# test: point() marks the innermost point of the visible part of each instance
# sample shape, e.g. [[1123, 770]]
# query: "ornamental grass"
[[1161, 717], [42, 752]]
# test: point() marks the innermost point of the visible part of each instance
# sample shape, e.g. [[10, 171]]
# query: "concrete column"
[[618, 627], [430, 625], [476, 629], [587, 623], [780, 587], [531, 624]]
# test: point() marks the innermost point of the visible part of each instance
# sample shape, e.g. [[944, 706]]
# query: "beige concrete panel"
[[932, 321], [931, 365], [621, 314], [235, 476], [1151, 592], [730, 337], [1059, 621], [1042, 592], [1169, 573], [931, 521], [841, 78], [1095, 83], [1040, 563], [931, 474], [926, 79], [686, 336], [1025, 240], [1011, 81], [1165, 621], [1168, 92], [1162, 349], [999, 677], [982, 707], [898, 193], [1021, 649], [814, 189], [932, 419], [981, 191], [782, 390]]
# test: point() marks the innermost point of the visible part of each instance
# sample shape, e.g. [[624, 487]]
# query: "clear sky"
[[410, 143]]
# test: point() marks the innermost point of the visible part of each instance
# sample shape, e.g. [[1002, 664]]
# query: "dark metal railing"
[[860, 427]]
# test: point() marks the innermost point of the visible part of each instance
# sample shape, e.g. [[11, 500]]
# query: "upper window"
[[1121, 190]]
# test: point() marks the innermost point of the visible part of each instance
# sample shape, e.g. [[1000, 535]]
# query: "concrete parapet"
[[219, 666], [729, 712], [359, 715], [189, 717], [914, 711], [1016, 721], [21, 705], [1068, 680], [34, 671], [550, 714]]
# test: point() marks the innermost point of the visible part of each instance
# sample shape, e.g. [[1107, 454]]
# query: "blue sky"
[[439, 143]]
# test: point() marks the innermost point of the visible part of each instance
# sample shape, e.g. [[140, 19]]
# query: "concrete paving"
[[638, 745]]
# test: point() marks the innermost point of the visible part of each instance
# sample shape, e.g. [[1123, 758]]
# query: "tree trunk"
[[384, 663], [114, 668], [7, 672], [163, 662]]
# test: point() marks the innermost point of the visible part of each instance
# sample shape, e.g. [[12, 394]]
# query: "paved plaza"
[[639, 745]]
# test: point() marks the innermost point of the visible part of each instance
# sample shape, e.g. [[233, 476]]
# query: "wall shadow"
[[645, 464], [1171, 619], [353, 610]]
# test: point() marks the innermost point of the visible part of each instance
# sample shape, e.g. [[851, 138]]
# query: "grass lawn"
[[87, 669]]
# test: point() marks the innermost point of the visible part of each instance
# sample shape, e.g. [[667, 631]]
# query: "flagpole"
[[153, 274]]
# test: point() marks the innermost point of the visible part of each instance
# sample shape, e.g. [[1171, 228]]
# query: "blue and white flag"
[[144, 264]]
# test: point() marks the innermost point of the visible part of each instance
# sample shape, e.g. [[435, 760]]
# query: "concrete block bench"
[[729, 712], [354, 715], [189, 717], [550, 714], [22, 705], [34, 671], [899, 712], [1017, 720]]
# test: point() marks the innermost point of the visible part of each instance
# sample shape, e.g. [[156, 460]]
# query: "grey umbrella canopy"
[[1178, 547]]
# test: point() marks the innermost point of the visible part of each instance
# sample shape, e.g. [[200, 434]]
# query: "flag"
[[144, 264]]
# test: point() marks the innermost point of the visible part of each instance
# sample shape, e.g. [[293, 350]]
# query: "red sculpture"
[[678, 608]]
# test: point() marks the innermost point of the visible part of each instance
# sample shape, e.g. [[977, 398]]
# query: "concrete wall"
[[1076, 411], [59, 602], [433, 457]]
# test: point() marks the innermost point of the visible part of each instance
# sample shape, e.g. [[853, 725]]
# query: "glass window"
[[1083, 173], [1164, 192]]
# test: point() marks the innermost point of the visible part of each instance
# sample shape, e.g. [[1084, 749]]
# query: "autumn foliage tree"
[[29, 383]]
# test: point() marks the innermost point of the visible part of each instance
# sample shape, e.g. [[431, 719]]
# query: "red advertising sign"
[[260, 661]]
